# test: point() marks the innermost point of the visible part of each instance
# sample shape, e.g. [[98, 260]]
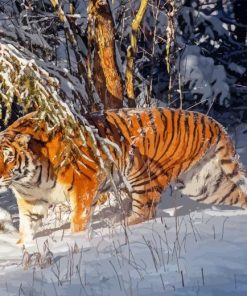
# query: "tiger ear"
[[23, 139]]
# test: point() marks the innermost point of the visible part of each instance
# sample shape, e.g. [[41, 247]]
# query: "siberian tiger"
[[158, 146]]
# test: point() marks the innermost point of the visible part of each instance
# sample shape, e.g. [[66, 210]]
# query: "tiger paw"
[[25, 239], [20, 241], [145, 215], [76, 227], [135, 219]]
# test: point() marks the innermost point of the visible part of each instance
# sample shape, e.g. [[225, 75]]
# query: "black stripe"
[[180, 159], [211, 132], [136, 206], [89, 178], [202, 192], [226, 161], [48, 170], [54, 184], [143, 132], [153, 189], [186, 122], [194, 150], [138, 201], [180, 184], [153, 126], [147, 163], [234, 186], [38, 182], [19, 162], [147, 166], [164, 121], [198, 145], [234, 173], [26, 161], [124, 123], [72, 183], [170, 142], [140, 171], [202, 139], [219, 182], [178, 135], [219, 149], [116, 132], [150, 179], [187, 132], [219, 133]]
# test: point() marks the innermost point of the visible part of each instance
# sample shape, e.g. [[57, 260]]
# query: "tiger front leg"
[[31, 214], [80, 189]]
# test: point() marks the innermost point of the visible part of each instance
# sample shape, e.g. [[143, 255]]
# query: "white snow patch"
[[203, 76], [237, 68]]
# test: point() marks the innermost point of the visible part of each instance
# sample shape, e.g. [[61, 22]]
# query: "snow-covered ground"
[[193, 250]]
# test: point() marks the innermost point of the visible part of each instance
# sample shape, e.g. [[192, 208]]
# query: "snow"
[[189, 249], [237, 68], [203, 76]]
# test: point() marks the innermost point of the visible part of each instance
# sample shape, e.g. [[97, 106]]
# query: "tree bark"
[[102, 65]]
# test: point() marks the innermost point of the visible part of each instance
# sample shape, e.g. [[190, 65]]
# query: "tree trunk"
[[102, 65]]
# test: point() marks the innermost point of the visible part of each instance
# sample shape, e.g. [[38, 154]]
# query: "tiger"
[[158, 146]]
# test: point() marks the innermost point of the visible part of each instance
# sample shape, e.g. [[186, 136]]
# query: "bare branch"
[[131, 52]]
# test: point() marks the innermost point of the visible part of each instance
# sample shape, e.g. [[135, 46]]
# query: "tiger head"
[[15, 159]]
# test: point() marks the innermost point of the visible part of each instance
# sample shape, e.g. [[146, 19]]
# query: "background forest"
[[106, 54]]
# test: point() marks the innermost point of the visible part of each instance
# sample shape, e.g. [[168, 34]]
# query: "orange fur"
[[158, 146]]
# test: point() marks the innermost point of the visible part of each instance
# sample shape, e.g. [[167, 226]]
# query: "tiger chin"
[[158, 146]]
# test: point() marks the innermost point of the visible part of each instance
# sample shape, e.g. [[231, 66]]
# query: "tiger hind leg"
[[81, 210], [143, 207], [230, 164], [208, 183], [81, 198]]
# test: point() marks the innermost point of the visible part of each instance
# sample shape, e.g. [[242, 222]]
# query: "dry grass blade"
[[132, 49]]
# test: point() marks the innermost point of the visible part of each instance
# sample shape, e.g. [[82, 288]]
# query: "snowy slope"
[[193, 250]]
